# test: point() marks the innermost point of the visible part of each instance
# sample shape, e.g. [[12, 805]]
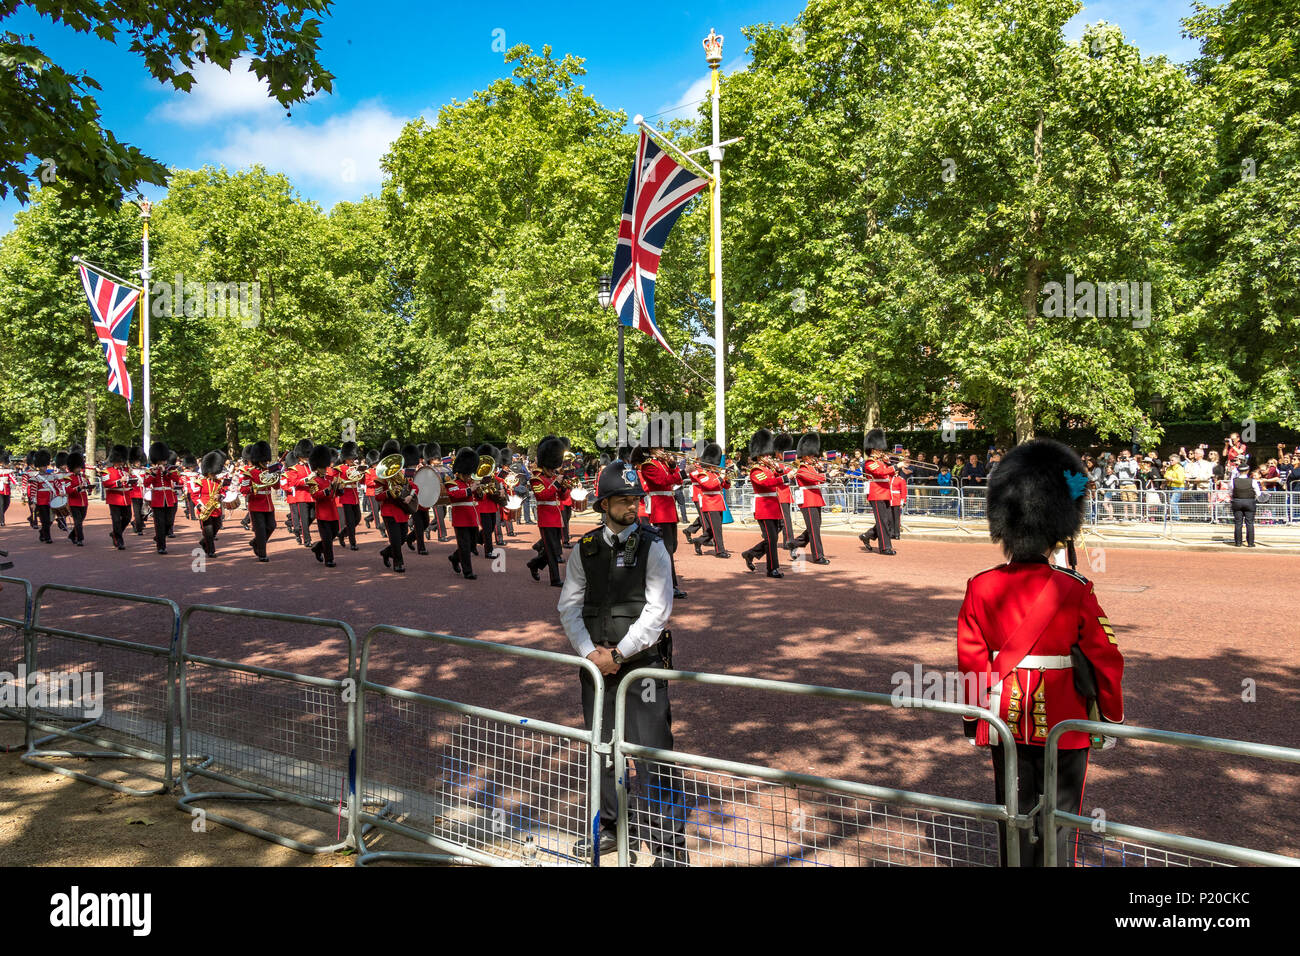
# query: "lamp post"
[[469, 427], [713, 56], [604, 293]]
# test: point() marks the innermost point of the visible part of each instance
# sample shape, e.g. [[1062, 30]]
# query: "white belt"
[[554, 504], [812, 487], [767, 494], [463, 504], [648, 493], [1044, 662]]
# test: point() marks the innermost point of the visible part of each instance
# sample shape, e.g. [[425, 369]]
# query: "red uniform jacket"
[[44, 488], [387, 507], [548, 501], [785, 495], [659, 480], [708, 486], [347, 493], [370, 482], [486, 504], [76, 490], [811, 480], [164, 489], [897, 491], [137, 489], [878, 475], [256, 502], [766, 484], [206, 490], [1039, 693], [5, 482], [115, 492], [465, 503], [327, 507]]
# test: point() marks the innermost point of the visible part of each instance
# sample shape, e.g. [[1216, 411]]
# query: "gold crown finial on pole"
[[713, 50]]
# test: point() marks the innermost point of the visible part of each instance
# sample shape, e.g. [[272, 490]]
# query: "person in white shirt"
[[615, 605]]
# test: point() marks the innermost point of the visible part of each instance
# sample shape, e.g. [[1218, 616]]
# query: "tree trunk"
[[873, 407], [275, 430], [1024, 404], [92, 432], [233, 448]]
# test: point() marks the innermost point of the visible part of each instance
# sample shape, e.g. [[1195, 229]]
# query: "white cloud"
[[687, 105], [219, 95]]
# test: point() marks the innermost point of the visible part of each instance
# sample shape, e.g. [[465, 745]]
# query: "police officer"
[[1027, 624], [615, 605]]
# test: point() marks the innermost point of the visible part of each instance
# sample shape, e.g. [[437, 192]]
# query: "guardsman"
[[419, 516], [811, 480], [569, 480], [659, 477], [507, 525], [464, 492], [438, 514], [163, 485], [300, 502], [211, 490], [117, 488], [78, 500], [766, 478], [547, 491], [6, 484], [43, 492], [372, 506], [256, 488], [708, 485], [878, 471], [489, 503], [783, 445], [615, 607], [394, 510], [349, 497], [1025, 626], [320, 483], [137, 490]]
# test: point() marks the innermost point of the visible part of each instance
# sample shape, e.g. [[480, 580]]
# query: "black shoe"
[[671, 857], [568, 544], [890, 551], [749, 559], [316, 550], [329, 564], [471, 577], [421, 550], [723, 554], [400, 570], [162, 550], [678, 593], [776, 574], [535, 572], [410, 545], [688, 537], [353, 548], [557, 584], [455, 562], [384, 554], [822, 561], [559, 559], [263, 560], [81, 544], [608, 844], [699, 549], [866, 542]]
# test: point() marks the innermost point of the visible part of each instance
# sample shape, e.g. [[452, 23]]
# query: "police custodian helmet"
[[618, 478]]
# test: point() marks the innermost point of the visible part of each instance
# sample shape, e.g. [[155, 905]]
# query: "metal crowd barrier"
[[13, 658], [272, 735], [474, 784], [748, 814], [138, 684], [1122, 844]]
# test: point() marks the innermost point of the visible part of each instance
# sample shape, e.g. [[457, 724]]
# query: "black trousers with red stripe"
[[771, 528], [883, 529], [1031, 761], [712, 530], [787, 523], [811, 537]]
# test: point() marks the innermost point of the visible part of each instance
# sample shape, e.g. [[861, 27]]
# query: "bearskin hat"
[[782, 443], [137, 454], [466, 462], [639, 454], [158, 452], [4, 456], [433, 451], [372, 457], [76, 460], [391, 447], [1031, 505], [810, 445], [41, 459], [304, 447], [487, 449], [410, 456], [260, 452], [79, 449], [874, 440], [712, 454], [550, 453], [61, 460], [350, 451], [321, 456], [761, 444], [213, 462], [117, 456]]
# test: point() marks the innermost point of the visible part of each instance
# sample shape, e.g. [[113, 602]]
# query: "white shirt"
[[1198, 471], [645, 630]]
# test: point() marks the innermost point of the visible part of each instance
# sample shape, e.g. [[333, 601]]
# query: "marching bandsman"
[[6, 484], [615, 608], [507, 525], [300, 502], [42, 495], [878, 472], [190, 485], [489, 504], [465, 493], [420, 516], [58, 484], [234, 467], [321, 484], [811, 480], [897, 496], [548, 493], [570, 480], [78, 499], [163, 486], [1026, 625], [658, 475], [136, 493], [438, 513], [765, 477], [372, 506], [117, 490], [349, 501], [391, 494], [211, 490], [708, 485], [784, 444], [256, 487]]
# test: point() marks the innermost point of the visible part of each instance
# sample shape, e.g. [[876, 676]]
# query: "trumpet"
[[264, 484], [729, 469]]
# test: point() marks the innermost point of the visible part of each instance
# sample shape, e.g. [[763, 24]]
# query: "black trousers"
[[78, 520], [1030, 764], [328, 530], [787, 524], [210, 527], [882, 530], [4, 506], [137, 515], [121, 516], [263, 523], [463, 556], [395, 528], [419, 521], [43, 516], [896, 520], [668, 531], [771, 529], [1243, 513], [488, 523], [565, 513], [811, 537], [659, 799], [372, 511], [440, 521], [548, 554], [303, 514], [351, 515], [713, 530], [164, 516]]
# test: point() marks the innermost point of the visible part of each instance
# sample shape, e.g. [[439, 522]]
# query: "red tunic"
[[137, 489], [548, 501], [897, 490], [465, 504], [164, 488], [115, 491], [659, 480], [785, 495], [708, 486], [44, 489], [260, 501], [387, 507], [878, 474], [811, 480], [75, 489], [1039, 693], [767, 500]]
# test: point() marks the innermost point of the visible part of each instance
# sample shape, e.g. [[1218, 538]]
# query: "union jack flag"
[[657, 191], [111, 306]]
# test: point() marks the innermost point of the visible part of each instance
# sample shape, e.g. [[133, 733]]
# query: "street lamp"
[[604, 288], [469, 427], [1157, 405], [604, 294]]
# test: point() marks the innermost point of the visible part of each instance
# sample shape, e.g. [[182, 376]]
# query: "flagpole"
[[713, 56], [145, 210]]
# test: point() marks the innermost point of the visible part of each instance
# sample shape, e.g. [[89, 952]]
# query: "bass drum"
[[513, 504], [59, 506], [580, 496], [428, 487], [230, 500]]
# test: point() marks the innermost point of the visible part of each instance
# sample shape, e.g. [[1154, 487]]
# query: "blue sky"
[[398, 60]]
